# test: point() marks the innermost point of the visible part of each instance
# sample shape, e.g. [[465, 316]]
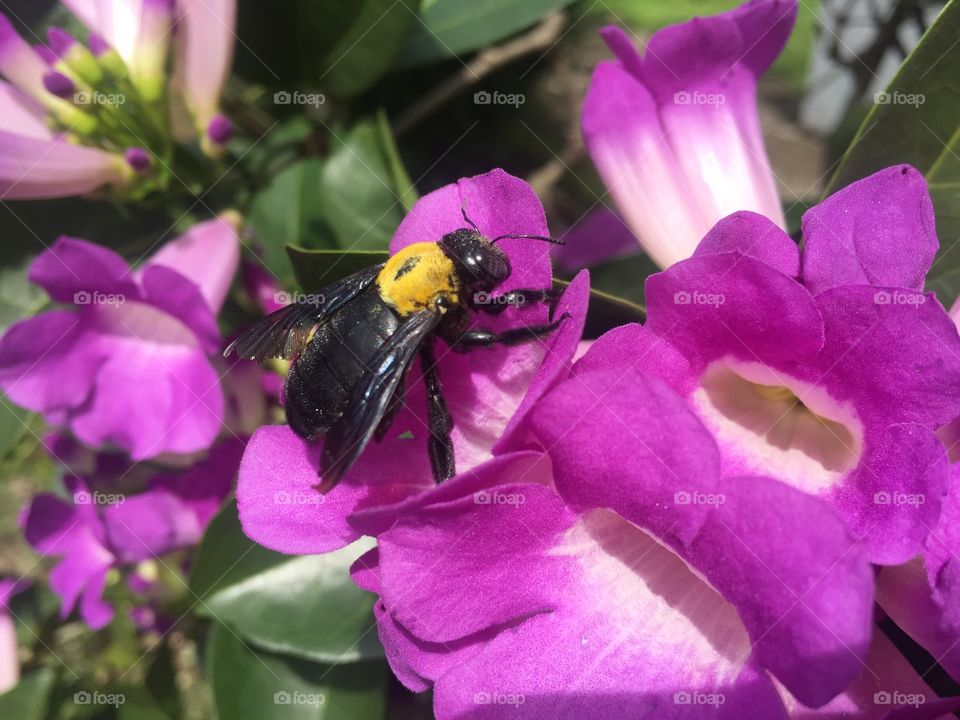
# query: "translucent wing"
[[284, 333]]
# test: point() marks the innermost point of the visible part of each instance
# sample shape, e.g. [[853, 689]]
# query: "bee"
[[353, 342]]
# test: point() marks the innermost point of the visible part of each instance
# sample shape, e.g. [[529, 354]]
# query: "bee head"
[[480, 264]]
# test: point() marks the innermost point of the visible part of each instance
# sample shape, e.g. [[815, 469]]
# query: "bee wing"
[[284, 333], [371, 397]]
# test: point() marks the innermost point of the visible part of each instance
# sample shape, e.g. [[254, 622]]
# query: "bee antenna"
[[544, 238], [463, 211]]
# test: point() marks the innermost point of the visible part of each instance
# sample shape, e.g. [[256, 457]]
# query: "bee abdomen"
[[322, 378]]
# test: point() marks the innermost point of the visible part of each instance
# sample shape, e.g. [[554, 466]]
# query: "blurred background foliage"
[[346, 113]]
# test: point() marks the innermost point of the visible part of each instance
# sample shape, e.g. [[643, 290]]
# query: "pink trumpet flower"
[[675, 132]]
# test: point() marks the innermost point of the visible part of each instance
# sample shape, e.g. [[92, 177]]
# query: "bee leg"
[[481, 338], [496, 304], [440, 444]]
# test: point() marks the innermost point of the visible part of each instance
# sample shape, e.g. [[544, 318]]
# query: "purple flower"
[[129, 362], [9, 657], [675, 133], [490, 391], [122, 71], [829, 370], [95, 531], [590, 586]]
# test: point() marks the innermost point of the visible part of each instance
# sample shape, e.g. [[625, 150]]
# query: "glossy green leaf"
[[288, 212], [362, 193], [449, 28], [341, 47], [30, 698], [369, 47], [917, 121], [249, 684], [304, 605]]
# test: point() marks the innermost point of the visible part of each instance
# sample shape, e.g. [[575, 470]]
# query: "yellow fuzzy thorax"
[[412, 279]]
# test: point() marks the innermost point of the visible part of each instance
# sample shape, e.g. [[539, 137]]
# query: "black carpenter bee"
[[353, 342]]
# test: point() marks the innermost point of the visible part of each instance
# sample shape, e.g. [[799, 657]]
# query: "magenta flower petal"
[[36, 168], [811, 624], [755, 236], [896, 349], [150, 524], [205, 41], [893, 498], [73, 533], [622, 440], [634, 347], [878, 231], [19, 63], [599, 237], [500, 591], [208, 255], [599, 572], [168, 290], [21, 115], [631, 149], [670, 130], [281, 508], [625, 442], [203, 487], [527, 465], [45, 364], [184, 395], [560, 349], [716, 305], [73, 270], [86, 369]]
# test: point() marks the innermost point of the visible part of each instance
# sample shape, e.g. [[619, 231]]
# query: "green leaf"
[[315, 269], [367, 50], [920, 125], [362, 193], [19, 299], [249, 684], [288, 212], [343, 47], [304, 605], [30, 698], [449, 28]]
